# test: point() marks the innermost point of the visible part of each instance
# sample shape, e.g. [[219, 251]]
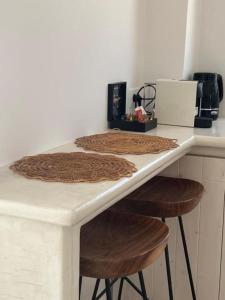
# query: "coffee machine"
[[209, 95]]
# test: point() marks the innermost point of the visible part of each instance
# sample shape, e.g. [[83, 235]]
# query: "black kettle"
[[209, 95], [211, 85]]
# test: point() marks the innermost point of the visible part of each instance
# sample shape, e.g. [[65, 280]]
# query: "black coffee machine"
[[209, 95]]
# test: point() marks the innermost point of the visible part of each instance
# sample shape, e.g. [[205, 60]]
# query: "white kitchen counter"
[[42, 220], [67, 204]]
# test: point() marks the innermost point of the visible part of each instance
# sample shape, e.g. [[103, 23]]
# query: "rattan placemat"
[[125, 143], [74, 167]]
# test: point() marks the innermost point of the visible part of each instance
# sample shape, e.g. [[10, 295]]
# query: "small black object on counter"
[[133, 125], [203, 122]]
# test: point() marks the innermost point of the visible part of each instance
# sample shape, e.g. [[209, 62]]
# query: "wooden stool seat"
[[163, 197], [115, 245]]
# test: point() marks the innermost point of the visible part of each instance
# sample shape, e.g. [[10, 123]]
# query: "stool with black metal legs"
[[114, 246], [165, 197]]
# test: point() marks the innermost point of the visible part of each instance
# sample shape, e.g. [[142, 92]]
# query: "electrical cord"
[[138, 99]]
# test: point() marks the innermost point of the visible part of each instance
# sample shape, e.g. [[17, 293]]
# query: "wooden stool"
[[114, 246], [165, 197]]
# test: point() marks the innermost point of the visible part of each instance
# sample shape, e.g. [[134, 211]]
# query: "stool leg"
[[120, 289], [80, 285], [168, 270], [96, 289], [142, 283], [108, 289], [187, 257]]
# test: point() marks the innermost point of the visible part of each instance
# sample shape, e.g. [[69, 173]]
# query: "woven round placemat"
[[125, 143], [74, 167]]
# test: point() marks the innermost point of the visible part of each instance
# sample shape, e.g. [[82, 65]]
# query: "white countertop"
[[68, 204]]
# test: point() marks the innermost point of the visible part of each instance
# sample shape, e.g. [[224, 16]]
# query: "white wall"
[[212, 42], [165, 35], [56, 59], [192, 42], [183, 37]]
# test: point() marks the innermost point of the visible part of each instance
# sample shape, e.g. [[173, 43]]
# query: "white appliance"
[[175, 102]]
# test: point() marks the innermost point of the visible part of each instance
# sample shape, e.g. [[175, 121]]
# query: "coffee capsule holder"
[[117, 111]]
